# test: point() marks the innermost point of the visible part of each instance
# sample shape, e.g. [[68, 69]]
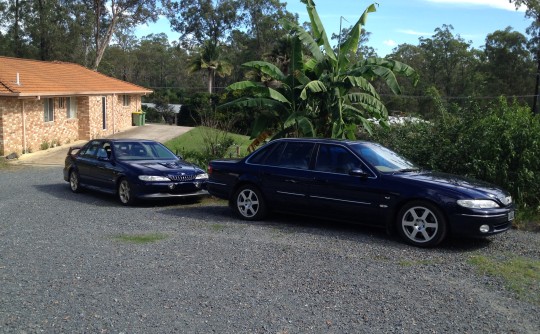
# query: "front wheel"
[[125, 193], [421, 224], [248, 203]]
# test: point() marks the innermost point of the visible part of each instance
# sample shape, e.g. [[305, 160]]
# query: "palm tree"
[[209, 59]]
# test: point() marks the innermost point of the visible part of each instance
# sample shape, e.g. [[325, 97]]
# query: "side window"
[[335, 159], [296, 155], [262, 155], [104, 151], [91, 150]]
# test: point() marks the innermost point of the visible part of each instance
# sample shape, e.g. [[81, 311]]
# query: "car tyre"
[[75, 181], [125, 192], [421, 224], [248, 203]]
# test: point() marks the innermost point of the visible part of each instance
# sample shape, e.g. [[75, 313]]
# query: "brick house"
[[44, 104]]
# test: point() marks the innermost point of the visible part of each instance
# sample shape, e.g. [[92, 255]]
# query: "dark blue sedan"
[[361, 182], [132, 169]]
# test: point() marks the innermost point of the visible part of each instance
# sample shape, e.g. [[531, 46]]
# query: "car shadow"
[[63, 192], [210, 208], [287, 223]]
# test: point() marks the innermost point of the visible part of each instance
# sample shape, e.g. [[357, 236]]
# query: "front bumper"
[[170, 189], [469, 223]]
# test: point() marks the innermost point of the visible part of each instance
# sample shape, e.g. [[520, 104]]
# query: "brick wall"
[[38, 134]]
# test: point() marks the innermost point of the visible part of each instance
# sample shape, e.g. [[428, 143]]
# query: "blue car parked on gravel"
[[132, 169], [361, 182]]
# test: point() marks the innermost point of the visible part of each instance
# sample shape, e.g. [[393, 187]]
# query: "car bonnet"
[[468, 187]]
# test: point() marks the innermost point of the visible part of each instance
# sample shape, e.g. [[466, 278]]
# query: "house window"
[[61, 103], [126, 100], [48, 110], [71, 108]]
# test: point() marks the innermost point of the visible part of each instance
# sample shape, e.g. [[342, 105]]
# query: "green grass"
[[217, 227], [520, 275], [3, 163], [140, 238], [194, 140], [527, 219]]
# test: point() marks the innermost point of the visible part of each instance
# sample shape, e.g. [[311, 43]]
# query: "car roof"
[[126, 140], [326, 140]]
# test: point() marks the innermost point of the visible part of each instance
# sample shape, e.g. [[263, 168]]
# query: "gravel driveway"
[[63, 270]]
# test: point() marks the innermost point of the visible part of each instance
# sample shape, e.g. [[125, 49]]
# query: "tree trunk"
[[104, 42], [535, 100], [211, 76]]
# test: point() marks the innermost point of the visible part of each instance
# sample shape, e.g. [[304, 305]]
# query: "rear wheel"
[[248, 203], [421, 224], [125, 193], [74, 181]]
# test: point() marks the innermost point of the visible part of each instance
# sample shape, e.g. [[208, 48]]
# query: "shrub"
[[499, 144]]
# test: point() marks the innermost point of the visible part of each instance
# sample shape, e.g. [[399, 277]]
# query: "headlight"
[[477, 203], [153, 178], [201, 176]]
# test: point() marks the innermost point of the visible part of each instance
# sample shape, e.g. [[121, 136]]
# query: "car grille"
[[182, 177]]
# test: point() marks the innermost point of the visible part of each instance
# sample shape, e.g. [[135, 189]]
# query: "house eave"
[[38, 95]]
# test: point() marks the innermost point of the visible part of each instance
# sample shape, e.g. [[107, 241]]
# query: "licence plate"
[[511, 215]]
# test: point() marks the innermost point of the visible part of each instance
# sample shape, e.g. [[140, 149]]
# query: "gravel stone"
[[63, 269]]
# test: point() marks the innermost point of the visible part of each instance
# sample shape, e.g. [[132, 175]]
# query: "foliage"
[[499, 144], [521, 275], [324, 93], [196, 145]]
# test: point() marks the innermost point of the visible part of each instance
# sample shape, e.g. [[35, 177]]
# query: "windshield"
[[142, 151], [383, 159]]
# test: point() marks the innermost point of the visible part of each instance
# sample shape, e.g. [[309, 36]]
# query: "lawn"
[[197, 139]]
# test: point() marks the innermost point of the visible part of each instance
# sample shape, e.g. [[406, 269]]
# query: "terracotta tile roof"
[[43, 78]]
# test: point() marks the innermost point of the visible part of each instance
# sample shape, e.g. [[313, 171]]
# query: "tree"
[[108, 17], [448, 62], [326, 93], [209, 59], [201, 20], [508, 63], [533, 12], [204, 26]]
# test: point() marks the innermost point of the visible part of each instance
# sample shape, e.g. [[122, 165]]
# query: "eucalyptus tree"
[[449, 62], [533, 12], [204, 26], [325, 93], [509, 65], [109, 14]]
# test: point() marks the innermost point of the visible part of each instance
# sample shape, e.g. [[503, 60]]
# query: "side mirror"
[[358, 172]]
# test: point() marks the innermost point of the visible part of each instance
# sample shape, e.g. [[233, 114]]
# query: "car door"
[[95, 166], [338, 189], [86, 164], [285, 176], [105, 168]]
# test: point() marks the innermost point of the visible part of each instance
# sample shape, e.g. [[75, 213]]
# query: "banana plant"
[[343, 89], [325, 94], [276, 97]]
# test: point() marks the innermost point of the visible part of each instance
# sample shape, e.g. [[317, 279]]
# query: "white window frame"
[[71, 107], [48, 110]]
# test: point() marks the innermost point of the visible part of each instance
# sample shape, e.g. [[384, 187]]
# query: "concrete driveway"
[[55, 156]]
